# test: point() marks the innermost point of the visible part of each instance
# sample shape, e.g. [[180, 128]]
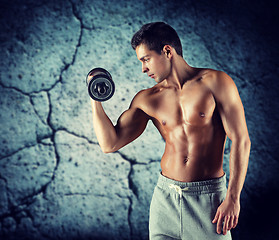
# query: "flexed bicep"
[[130, 125]]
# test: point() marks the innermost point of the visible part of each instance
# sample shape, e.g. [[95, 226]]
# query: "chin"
[[158, 80]]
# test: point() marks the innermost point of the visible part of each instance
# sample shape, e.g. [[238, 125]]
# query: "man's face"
[[157, 66]]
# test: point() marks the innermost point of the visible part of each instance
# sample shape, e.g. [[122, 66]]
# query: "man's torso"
[[189, 121]]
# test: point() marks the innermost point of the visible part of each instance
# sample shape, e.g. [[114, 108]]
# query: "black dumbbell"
[[100, 84]]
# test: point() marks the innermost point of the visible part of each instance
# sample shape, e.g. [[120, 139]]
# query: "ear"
[[168, 51]]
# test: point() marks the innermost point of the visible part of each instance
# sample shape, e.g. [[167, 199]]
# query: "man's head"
[[155, 36]]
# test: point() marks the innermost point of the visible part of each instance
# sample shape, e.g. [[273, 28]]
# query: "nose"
[[144, 68]]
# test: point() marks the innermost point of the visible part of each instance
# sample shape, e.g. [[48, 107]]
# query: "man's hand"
[[227, 215]]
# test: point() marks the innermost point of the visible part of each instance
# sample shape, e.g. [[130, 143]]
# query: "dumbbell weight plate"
[[101, 87], [100, 84], [97, 71]]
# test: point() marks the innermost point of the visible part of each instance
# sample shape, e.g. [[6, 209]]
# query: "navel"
[[202, 114], [185, 160]]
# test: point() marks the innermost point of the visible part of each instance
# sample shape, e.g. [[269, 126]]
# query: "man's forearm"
[[103, 127], [239, 157]]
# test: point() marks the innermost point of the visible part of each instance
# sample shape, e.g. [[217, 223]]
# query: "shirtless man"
[[194, 110]]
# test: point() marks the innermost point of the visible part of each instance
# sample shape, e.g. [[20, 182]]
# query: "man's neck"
[[181, 72]]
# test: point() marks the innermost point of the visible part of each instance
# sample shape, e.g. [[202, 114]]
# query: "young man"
[[194, 110]]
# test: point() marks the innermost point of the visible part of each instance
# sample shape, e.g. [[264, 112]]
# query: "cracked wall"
[[55, 183]]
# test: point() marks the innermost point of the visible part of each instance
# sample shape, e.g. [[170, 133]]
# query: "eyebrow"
[[144, 57]]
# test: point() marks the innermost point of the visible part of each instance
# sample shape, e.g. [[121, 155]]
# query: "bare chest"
[[193, 106]]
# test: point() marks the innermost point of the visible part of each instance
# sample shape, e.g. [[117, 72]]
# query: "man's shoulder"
[[215, 79], [141, 95], [144, 94], [220, 84], [209, 74], [143, 99], [140, 99]]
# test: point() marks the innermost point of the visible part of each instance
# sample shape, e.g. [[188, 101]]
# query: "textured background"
[[55, 183]]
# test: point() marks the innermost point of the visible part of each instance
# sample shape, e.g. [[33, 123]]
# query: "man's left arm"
[[233, 118]]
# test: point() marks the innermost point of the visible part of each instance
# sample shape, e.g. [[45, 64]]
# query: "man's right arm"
[[130, 125]]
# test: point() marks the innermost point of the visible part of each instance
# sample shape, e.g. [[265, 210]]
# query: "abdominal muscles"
[[194, 153]]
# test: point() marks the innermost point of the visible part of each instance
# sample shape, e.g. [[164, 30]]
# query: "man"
[[194, 110]]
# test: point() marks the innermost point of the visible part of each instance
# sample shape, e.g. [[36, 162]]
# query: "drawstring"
[[178, 189]]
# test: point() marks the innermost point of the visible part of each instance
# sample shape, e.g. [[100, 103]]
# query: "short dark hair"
[[156, 35]]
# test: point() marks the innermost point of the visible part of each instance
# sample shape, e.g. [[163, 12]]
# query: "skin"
[[194, 110]]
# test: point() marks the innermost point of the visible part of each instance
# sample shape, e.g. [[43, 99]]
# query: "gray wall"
[[55, 183]]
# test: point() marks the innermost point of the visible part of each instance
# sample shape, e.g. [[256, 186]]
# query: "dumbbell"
[[100, 84]]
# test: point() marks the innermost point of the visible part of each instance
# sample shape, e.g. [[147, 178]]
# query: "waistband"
[[200, 187]]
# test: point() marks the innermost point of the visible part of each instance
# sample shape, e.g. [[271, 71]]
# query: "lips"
[[151, 75]]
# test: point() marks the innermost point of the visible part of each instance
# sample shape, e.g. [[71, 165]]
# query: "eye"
[[146, 59]]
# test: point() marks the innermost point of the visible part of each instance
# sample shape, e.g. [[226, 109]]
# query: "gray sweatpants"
[[184, 210]]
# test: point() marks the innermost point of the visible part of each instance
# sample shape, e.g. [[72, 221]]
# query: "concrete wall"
[[55, 183]]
